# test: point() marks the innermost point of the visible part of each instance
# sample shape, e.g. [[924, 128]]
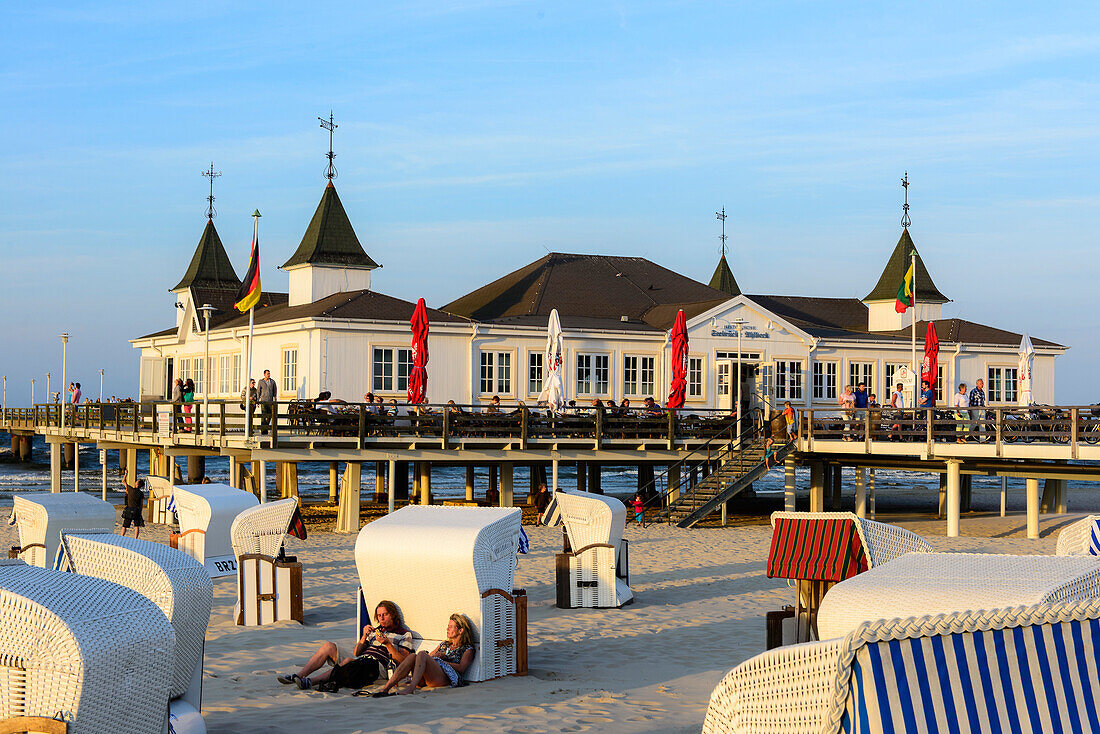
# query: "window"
[[862, 372], [745, 356], [235, 386], [496, 372], [593, 374], [891, 370], [788, 380], [695, 377], [939, 384], [184, 369], [224, 363], [290, 370], [387, 362], [534, 373], [638, 375], [824, 381], [200, 375], [1002, 384]]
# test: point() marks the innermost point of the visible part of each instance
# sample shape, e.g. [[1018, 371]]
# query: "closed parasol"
[[930, 367], [418, 378], [553, 389], [679, 338], [1027, 357]]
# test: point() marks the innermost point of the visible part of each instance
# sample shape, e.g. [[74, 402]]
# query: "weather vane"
[[722, 218], [330, 125], [905, 221], [211, 174]]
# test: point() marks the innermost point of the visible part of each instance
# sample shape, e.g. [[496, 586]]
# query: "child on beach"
[[639, 510], [788, 417], [769, 453]]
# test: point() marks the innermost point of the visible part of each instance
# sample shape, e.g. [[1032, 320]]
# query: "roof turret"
[[330, 239], [210, 266], [723, 279], [887, 287]]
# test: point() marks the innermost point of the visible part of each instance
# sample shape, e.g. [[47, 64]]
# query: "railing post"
[[446, 427], [221, 418], [1073, 432], [867, 430], [523, 427], [363, 428], [274, 424], [101, 417], [672, 428], [998, 422], [929, 428], [599, 428]]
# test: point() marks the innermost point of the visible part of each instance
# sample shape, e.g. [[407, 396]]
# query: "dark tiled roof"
[[330, 239], [807, 312], [723, 279], [353, 305], [967, 332], [887, 287], [210, 266], [602, 286]]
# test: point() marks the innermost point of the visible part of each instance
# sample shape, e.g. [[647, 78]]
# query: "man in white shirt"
[[961, 403], [897, 402]]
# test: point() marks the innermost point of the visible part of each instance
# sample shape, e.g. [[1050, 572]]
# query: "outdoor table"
[[920, 584]]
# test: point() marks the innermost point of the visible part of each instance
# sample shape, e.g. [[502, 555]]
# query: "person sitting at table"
[[441, 668], [520, 409], [454, 409], [494, 405], [624, 407], [652, 409], [369, 400], [597, 407]]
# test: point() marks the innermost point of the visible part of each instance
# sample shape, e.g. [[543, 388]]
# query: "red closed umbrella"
[[418, 378], [929, 368], [679, 339]]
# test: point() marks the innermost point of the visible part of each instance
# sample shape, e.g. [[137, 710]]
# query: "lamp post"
[[47, 392], [64, 373], [5, 394], [207, 379], [740, 324], [32, 393], [101, 385]]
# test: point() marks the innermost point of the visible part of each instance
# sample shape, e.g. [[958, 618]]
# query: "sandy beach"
[[701, 596]]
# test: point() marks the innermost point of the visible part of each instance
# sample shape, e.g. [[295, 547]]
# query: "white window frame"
[[224, 385], [889, 369], [588, 367], [863, 374], [200, 376], [637, 363], [789, 380], [535, 372], [236, 375], [391, 373], [828, 393], [496, 372], [1000, 389], [289, 369], [696, 378]]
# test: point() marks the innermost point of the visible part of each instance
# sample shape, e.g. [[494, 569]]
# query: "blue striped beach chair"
[[1081, 538], [1020, 669]]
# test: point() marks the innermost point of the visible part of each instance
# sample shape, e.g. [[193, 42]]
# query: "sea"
[[900, 490]]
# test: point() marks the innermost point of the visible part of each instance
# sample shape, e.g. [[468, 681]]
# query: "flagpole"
[[248, 358], [913, 331]]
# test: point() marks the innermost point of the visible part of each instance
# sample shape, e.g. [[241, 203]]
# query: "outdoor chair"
[[41, 516], [159, 501], [1022, 668], [593, 569], [435, 561], [269, 589], [1081, 538], [83, 649], [206, 513], [175, 582]]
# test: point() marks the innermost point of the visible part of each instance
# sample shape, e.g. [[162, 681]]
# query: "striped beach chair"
[[1081, 538], [1023, 669]]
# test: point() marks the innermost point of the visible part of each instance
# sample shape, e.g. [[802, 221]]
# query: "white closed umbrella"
[[553, 389], [1027, 356]]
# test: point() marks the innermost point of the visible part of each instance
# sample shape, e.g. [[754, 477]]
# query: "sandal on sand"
[[382, 694], [286, 680]]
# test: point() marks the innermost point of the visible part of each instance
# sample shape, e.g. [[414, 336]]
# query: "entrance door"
[[170, 376], [724, 388]]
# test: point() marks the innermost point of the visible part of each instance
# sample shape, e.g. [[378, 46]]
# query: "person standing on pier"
[[267, 390], [188, 399], [977, 410]]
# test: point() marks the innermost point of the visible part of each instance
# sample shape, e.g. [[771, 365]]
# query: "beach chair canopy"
[[591, 518], [209, 510], [88, 649], [41, 516], [262, 528], [173, 580], [1081, 538], [158, 487], [435, 561]]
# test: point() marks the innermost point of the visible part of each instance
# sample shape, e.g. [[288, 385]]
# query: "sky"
[[476, 135]]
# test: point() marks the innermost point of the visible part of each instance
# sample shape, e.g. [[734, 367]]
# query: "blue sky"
[[475, 136]]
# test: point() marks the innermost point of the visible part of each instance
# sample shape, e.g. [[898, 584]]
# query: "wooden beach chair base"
[[33, 725], [268, 590]]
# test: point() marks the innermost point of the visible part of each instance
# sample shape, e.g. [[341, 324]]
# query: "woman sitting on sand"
[[440, 668]]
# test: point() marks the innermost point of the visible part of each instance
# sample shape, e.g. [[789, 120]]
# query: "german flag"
[[249, 293]]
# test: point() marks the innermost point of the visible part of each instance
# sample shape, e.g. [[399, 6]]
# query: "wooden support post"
[[1061, 506], [392, 481], [1033, 509], [470, 483], [965, 492], [554, 469], [493, 483], [401, 484], [290, 479], [645, 480], [55, 467], [871, 491], [76, 467], [425, 482], [506, 499], [953, 498], [196, 469], [674, 483], [861, 491], [416, 481], [234, 472], [582, 476], [103, 471], [835, 484], [68, 455], [789, 497], [262, 483], [817, 486], [941, 504], [347, 516], [1004, 494], [379, 480], [131, 466], [334, 481], [595, 472]]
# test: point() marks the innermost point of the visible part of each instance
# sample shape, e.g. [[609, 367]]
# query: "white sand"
[[701, 596]]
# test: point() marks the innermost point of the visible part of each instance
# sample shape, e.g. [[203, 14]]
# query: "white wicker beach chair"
[[86, 649], [1030, 668], [435, 561], [593, 571], [174, 581], [41, 516], [268, 590], [159, 500], [1081, 538], [882, 542], [206, 513]]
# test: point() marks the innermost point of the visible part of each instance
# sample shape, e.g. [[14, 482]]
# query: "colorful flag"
[[297, 526], [905, 291], [249, 293]]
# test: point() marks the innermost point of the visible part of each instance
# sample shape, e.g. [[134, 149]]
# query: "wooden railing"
[[1041, 424]]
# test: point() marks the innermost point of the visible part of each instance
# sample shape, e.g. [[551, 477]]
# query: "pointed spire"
[[887, 287], [330, 239], [723, 279], [210, 265]]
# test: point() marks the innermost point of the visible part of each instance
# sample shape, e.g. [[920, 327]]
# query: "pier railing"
[[1037, 424], [451, 425]]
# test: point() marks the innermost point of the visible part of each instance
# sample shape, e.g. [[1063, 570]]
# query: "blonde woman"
[[441, 668], [848, 402]]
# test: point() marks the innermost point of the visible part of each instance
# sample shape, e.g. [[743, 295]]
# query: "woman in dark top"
[[440, 668], [188, 399], [131, 513]]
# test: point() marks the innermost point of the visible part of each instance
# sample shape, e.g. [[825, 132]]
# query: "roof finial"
[[722, 217], [211, 174], [330, 171], [905, 222]]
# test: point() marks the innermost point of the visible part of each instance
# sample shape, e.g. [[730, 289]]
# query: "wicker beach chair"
[[206, 513], [159, 501], [435, 561], [593, 570], [1081, 538], [86, 650], [40, 517], [1024, 668], [268, 589], [174, 581]]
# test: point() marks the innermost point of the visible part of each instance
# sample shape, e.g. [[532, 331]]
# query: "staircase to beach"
[[739, 464]]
